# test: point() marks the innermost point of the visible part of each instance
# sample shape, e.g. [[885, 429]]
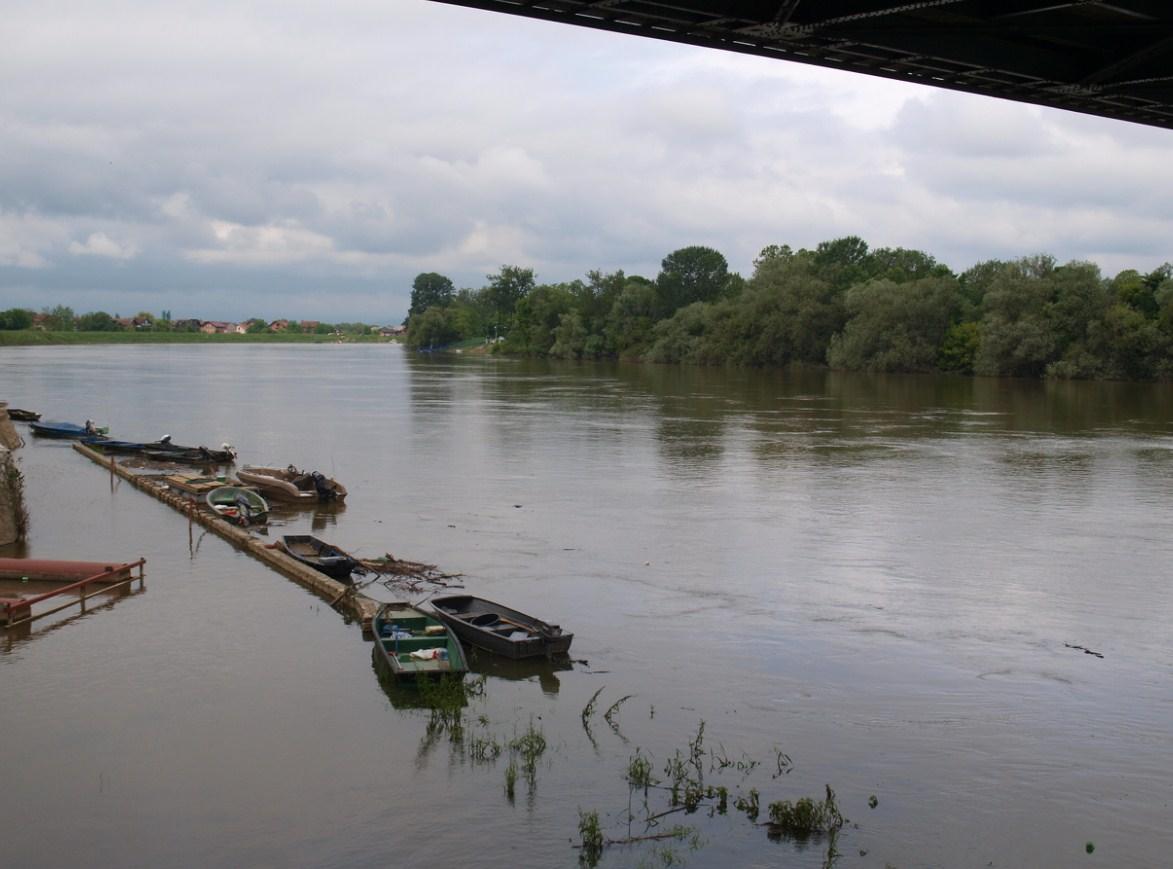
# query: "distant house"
[[241, 328], [134, 323], [392, 331], [309, 325], [187, 326], [278, 325], [216, 327], [39, 321]]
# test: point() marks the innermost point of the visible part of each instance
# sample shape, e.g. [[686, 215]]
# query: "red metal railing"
[[14, 609]]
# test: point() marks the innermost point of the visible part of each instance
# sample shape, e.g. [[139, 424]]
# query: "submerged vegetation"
[[842, 305], [455, 715]]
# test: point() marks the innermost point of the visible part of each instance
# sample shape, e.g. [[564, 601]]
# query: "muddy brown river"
[[795, 579]]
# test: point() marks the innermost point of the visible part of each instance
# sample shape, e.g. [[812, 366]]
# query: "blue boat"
[[66, 430]]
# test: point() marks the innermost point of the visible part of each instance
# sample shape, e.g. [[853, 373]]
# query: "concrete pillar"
[[12, 515]]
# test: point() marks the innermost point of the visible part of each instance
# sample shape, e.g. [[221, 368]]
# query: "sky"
[[308, 160]]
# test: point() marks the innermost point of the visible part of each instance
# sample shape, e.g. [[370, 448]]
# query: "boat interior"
[[404, 631]]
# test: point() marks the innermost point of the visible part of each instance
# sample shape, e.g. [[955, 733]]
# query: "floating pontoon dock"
[[355, 604]]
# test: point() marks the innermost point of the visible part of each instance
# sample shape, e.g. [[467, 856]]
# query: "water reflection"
[[17, 635], [544, 670]]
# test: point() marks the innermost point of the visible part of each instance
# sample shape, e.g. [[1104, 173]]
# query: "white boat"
[[291, 484]]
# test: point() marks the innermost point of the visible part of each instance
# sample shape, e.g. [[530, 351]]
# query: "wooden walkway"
[[342, 597]]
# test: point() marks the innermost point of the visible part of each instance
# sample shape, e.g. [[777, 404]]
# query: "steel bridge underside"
[[1113, 59]]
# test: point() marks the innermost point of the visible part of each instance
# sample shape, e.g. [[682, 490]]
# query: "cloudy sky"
[[227, 160]]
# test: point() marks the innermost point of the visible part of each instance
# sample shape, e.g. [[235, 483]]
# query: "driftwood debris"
[[409, 575]]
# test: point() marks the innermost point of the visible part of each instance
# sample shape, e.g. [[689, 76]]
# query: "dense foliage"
[[841, 304]]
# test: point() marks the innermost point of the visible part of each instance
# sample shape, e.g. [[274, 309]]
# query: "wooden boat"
[[23, 415], [500, 629], [414, 643], [290, 484], [66, 430], [242, 506], [321, 556]]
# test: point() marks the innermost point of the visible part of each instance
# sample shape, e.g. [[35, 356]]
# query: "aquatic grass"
[[589, 709], [748, 804], [783, 761], [529, 746], [590, 837], [609, 715], [510, 779], [483, 749], [696, 750], [639, 772], [805, 817]]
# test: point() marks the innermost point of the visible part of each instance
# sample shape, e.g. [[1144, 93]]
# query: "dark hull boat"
[[242, 506], [414, 644], [189, 455], [321, 556], [500, 629], [23, 415], [107, 445]]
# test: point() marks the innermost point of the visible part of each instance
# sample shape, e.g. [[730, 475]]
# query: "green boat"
[[414, 643], [238, 505]]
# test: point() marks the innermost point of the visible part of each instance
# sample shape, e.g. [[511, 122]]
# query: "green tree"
[[59, 318], [16, 318], [256, 326], [681, 338], [571, 338], [629, 325], [429, 289], [843, 262], [1016, 336], [435, 327], [959, 349], [536, 317], [97, 321], [690, 274], [895, 327], [506, 288]]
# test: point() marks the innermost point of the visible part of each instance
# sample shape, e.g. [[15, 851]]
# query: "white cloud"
[[273, 244], [100, 244]]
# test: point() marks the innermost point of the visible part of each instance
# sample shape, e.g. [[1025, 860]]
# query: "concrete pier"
[[341, 596]]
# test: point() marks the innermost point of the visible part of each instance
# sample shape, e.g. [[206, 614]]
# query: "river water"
[[872, 583]]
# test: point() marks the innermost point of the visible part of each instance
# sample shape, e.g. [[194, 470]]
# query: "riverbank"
[[34, 338]]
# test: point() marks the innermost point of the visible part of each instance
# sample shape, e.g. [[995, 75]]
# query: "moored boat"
[[23, 415], [414, 643], [242, 506], [321, 556], [291, 484], [168, 452], [109, 445], [69, 430], [499, 628]]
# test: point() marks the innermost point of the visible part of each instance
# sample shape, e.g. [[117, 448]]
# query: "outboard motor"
[[323, 487]]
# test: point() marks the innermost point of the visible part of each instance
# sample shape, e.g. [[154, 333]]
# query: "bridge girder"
[[1112, 58]]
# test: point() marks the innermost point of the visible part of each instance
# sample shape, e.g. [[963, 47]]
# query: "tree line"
[[61, 318], [842, 305]]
